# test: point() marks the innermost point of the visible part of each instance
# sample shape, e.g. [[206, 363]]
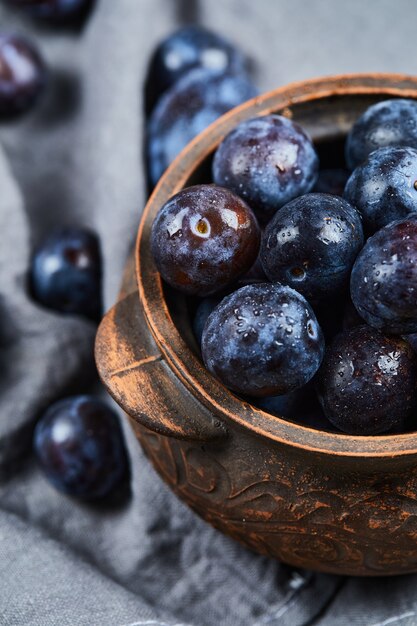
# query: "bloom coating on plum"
[[387, 123], [263, 340], [383, 282], [268, 161], [203, 239], [384, 187], [185, 110], [367, 382], [311, 244]]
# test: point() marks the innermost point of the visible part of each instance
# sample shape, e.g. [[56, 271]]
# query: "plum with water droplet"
[[383, 282], [203, 239], [387, 123], [311, 244], [268, 161], [384, 187], [263, 340], [367, 382]]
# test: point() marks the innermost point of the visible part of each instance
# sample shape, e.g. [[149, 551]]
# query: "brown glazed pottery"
[[314, 499]]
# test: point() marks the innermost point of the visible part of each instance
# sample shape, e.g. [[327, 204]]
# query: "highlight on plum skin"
[[263, 340], [384, 187], [204, 238], [384, 278], [194, 102], [311, 244], [188, 48], [266, 340], [268, 161], [390, 123], [367, 383], [66, 272]]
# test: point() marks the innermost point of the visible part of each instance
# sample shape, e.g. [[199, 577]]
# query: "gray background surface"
[[147, 559]]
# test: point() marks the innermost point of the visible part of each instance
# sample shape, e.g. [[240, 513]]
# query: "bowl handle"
[[138, 377]]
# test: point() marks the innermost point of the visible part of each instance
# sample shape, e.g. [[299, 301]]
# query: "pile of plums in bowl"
[[229, 359], [303, 285]]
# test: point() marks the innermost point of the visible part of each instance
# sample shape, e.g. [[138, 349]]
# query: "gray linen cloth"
[[144, 558]]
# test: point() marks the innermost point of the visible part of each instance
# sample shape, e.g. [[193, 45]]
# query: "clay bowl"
[[314, 499]]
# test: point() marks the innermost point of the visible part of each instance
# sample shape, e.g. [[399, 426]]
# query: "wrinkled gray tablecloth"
[[144, 559]]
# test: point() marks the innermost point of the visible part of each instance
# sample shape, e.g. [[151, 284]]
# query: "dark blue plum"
[[384, 187], [268, 161], [263, 340], [53, 10], [289, 405], [332, 181], [367, 382], [384, 278], [203, 239], [203, 310], [387, 123], [311, 244], [185, 110], [66, 273], [186, 49], [80, 447], [300, 406], [22, 75]]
